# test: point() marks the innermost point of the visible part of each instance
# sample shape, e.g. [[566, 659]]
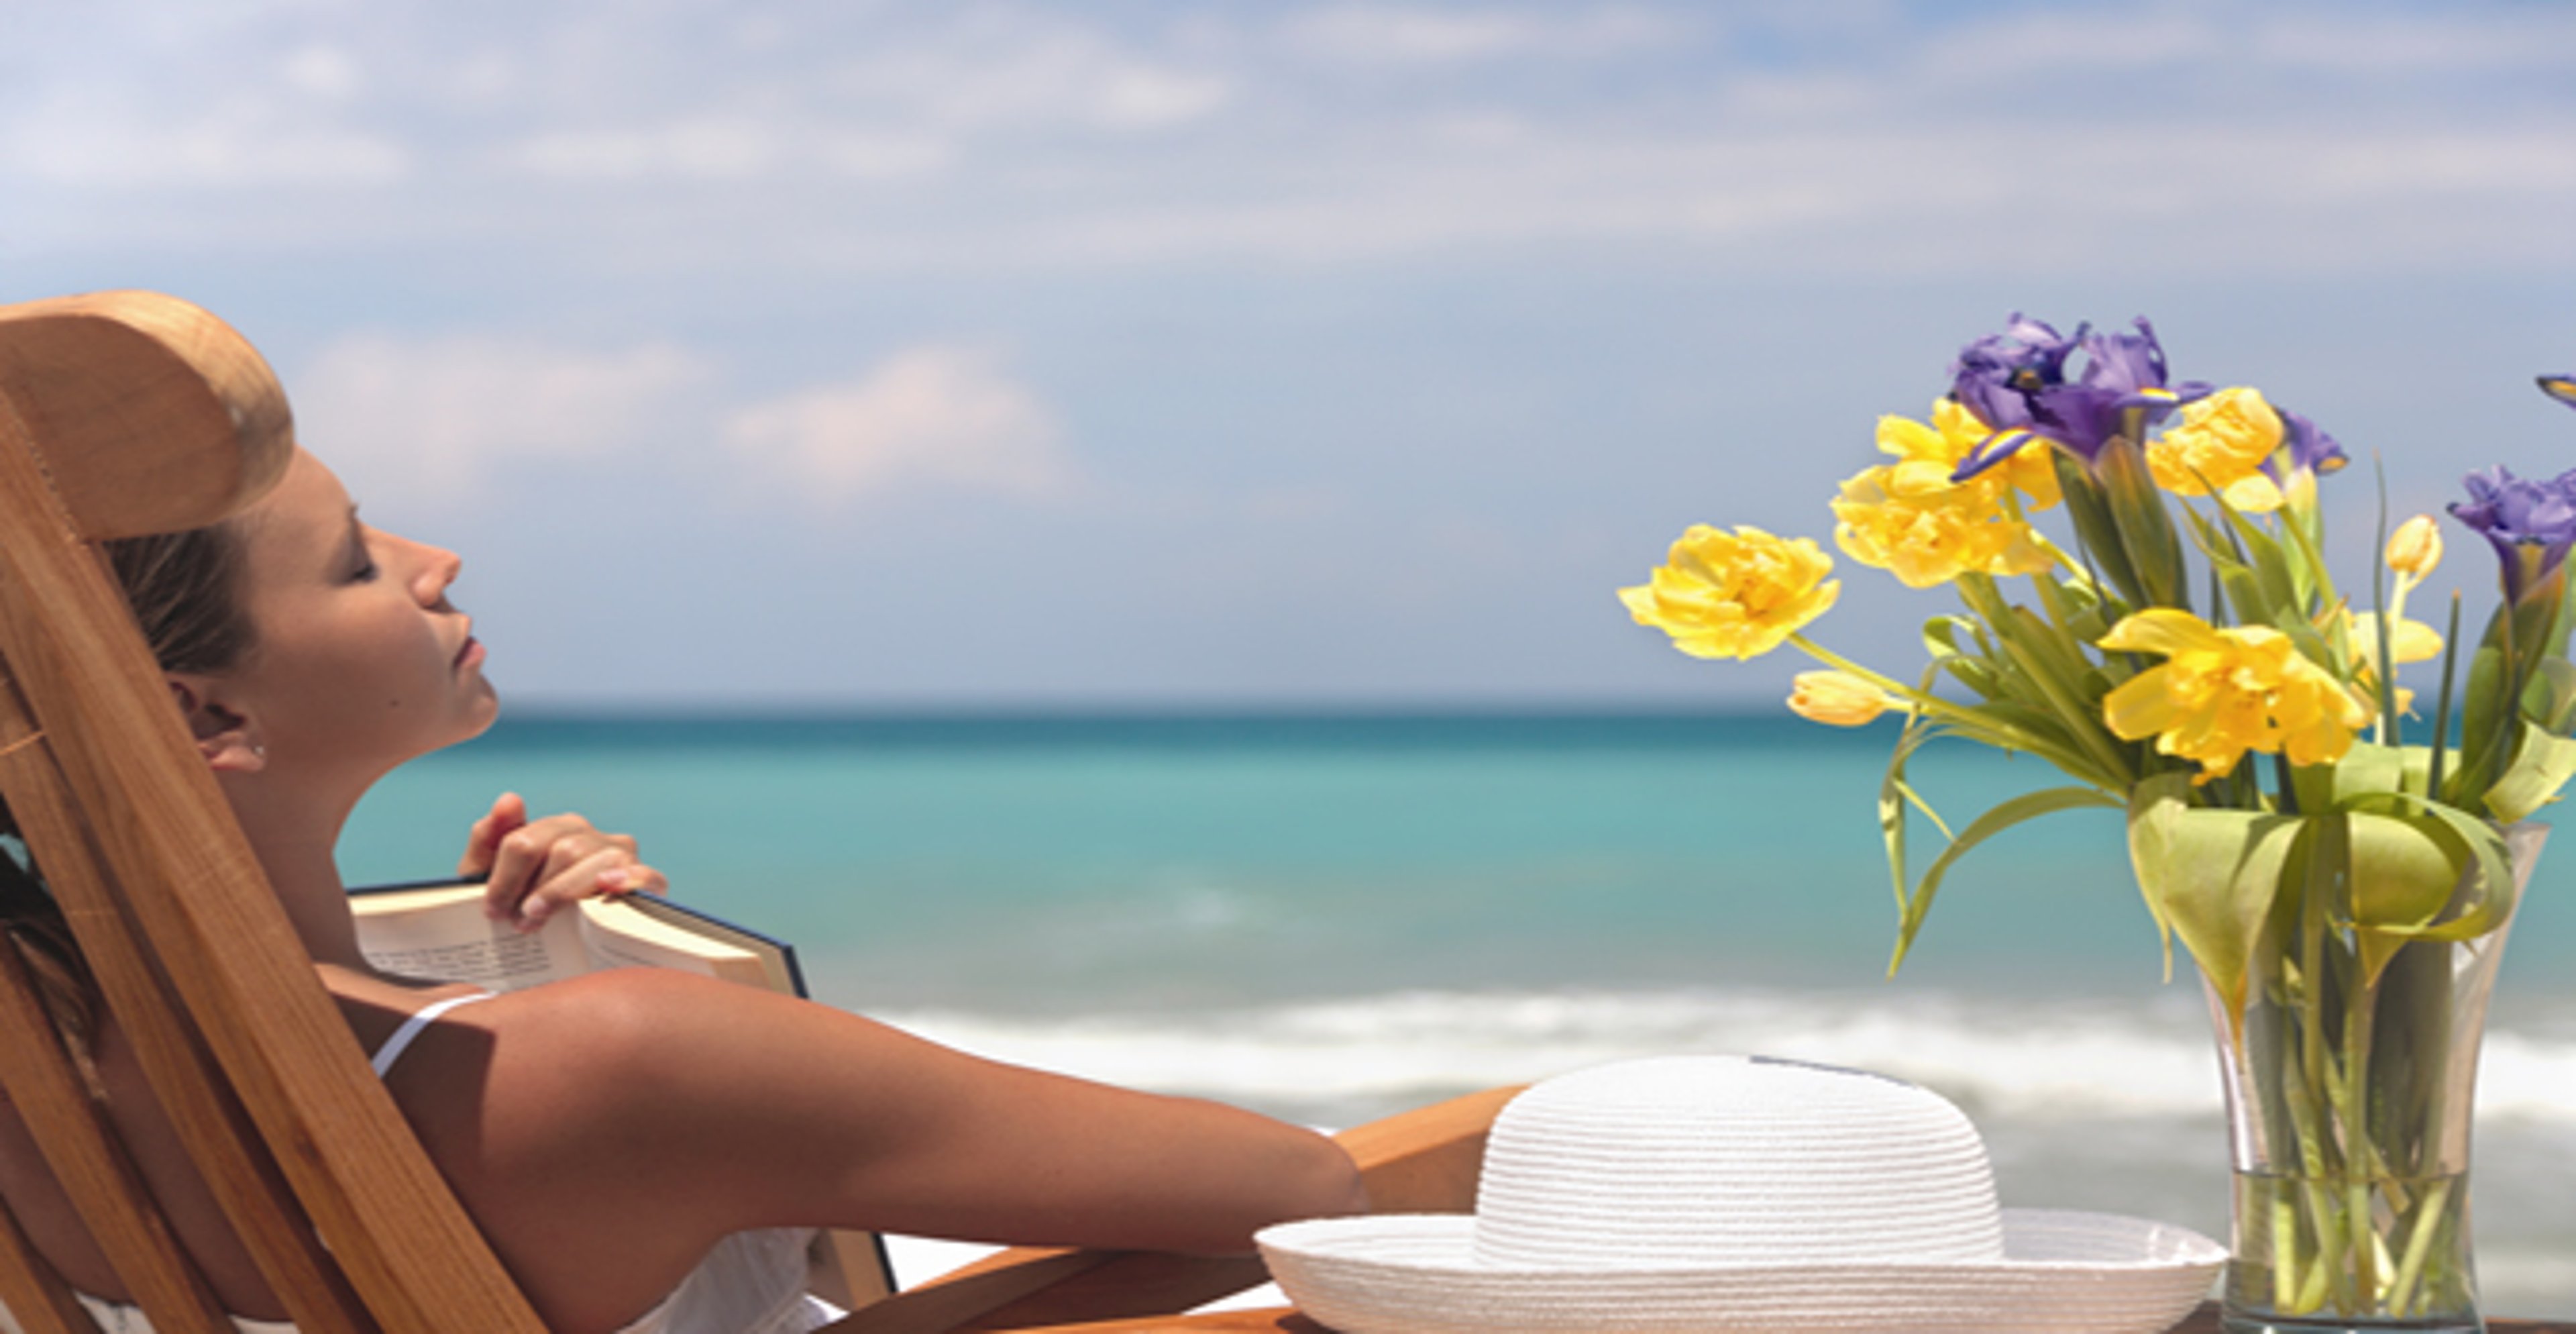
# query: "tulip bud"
[[1838, 698], [2415, 548]]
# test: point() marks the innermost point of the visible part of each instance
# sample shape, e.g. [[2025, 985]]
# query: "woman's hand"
[[533, 867]]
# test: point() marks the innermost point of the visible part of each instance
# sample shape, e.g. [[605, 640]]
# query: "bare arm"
[[605, 1131]]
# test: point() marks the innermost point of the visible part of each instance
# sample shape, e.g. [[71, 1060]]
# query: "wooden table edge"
[[1286, 1320]]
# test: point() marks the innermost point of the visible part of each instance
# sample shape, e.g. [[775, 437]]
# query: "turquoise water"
[[1333, 917], [1037, 862]]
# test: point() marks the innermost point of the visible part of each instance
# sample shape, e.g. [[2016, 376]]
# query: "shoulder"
[[639, 1060], [607, 1027], [561, 1116]]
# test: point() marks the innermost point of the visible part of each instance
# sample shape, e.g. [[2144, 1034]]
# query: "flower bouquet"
[[2341, 869]]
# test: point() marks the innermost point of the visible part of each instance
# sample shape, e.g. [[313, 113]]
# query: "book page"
[[442, 934], [617, 935]]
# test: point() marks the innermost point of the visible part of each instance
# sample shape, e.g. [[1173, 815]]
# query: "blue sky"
[[975, 353]]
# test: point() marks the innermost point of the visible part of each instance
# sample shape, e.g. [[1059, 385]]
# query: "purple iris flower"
[[2015, 382], [2560, 387], [2311, 449], [2531, 524], [1996, 375]]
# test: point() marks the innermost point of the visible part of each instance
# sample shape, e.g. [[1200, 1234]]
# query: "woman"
[[612, 1133]]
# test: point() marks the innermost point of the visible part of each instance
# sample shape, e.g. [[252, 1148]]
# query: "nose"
[[438, 568]]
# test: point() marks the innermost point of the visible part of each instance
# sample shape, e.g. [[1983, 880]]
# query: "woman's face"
[[358, 661]]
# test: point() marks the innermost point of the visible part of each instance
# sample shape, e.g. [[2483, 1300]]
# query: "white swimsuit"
[[751, 1283]]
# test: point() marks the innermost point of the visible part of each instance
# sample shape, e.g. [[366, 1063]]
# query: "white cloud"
[[2435, 42], [103, 138], [1001, 71], [933, 415], [436, 418], [782, 142], [709, 148], [786, 110], [322, 70], [1416, 35]]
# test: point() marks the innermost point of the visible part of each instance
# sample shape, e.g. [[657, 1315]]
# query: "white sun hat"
[[1693, 1193]]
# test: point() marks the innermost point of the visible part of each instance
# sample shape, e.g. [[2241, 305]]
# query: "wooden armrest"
[[1422, 1161]]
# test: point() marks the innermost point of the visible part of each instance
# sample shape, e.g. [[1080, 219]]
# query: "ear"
[[229, 741]]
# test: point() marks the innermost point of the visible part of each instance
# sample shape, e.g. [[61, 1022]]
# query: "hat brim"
[[2061, 1273]]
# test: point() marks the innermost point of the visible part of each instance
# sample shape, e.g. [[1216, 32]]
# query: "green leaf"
[[1970, 666], [2077, 605], [2550, 700], [2314, 785], [2403, 871], [2364, 770], [2307, 541], [1895, 794], [2027, 806], [2370, 767], [2271, 565], [2482, 904], [1978, 675], [2137, 511], [2541, 765], [2210, 875], [2255, 603], [2482, 738], [2095, 533], [2037, 721], [2315, 646]]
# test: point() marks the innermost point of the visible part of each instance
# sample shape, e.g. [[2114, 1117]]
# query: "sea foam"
[[2032, 1059]]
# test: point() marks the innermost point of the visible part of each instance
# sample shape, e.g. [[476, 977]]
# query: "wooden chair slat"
[[90, 1162], [35, 1293], [217, 1132], [190, 881], [1130, 1286]]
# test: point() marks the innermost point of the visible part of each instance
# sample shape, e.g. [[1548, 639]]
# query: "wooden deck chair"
[[130, 413]]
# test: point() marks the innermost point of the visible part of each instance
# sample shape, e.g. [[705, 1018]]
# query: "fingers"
[[541, 865], [606, 871], [509, 812]]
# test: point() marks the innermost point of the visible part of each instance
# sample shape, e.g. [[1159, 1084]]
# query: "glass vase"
[[2349, 1102]]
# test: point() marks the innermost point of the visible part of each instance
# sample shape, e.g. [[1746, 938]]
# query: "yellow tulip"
[[2032, 471], [1839, 698], [2408, 640], [2415, 548], [1734, 595], [2223, 692], [2221, 441], [1910, 519]]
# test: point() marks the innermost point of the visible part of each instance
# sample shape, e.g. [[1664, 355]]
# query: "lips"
[[469, 652]]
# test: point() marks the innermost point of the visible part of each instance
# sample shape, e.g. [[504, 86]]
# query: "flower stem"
[[2430, 1220], [2083, 723], [2369, 1253], [1967, 718]]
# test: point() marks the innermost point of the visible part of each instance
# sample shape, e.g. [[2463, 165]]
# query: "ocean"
[[1333, 917]]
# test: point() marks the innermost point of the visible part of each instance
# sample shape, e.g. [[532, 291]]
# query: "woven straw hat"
[[1738, 1193]]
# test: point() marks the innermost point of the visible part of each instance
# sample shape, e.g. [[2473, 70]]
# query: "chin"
[[486, 714]]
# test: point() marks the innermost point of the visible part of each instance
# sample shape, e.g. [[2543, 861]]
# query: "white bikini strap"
[[401, 1041]]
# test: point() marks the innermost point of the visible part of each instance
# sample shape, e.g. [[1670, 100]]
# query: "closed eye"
[[361, 561]]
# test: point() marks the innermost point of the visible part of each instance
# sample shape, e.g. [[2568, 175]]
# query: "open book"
[[436, 929]]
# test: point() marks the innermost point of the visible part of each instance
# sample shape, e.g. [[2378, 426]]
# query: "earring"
[[258, 751]]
